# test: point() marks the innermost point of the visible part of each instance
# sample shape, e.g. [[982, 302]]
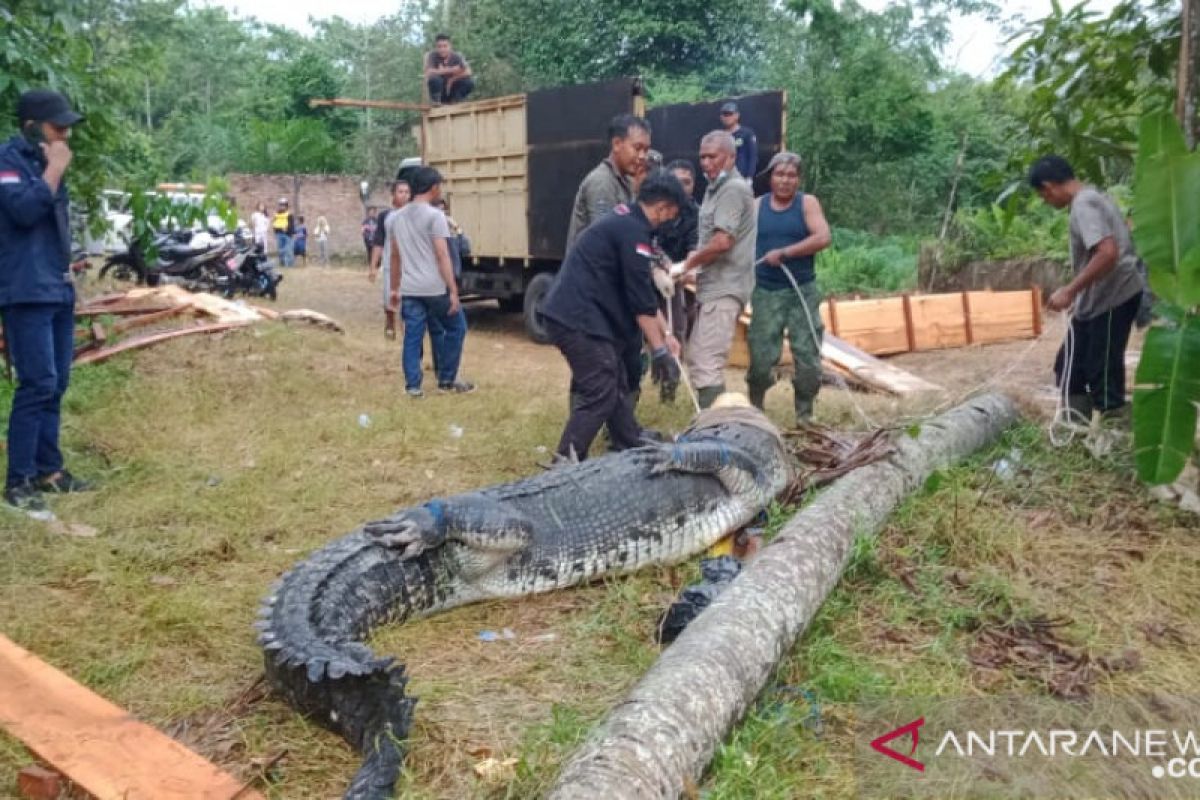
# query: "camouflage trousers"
[[775, 312]]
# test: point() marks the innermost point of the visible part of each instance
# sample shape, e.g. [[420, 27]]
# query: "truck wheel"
[[535, 295], [513, 304]]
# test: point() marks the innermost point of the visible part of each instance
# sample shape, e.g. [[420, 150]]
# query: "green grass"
[[224, 461]]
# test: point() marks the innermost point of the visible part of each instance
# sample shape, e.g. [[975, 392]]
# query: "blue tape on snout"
[[438, 509]]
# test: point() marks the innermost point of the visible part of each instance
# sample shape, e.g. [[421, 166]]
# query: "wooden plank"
[[125, 310], [875, 325], [145, 341], [967, 321], [149, 319], [937, 321], [1000, 316], [909, 334], [871, 370], [833, 318], [1036, 296], [99, 746]]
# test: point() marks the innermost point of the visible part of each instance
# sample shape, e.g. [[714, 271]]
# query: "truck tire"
[[535, 294]]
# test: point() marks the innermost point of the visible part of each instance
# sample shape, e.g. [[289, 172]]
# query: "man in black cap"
[[743, 138], [37, 296]]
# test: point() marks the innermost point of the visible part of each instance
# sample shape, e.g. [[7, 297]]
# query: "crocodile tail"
[[312, 626], [371, 711]]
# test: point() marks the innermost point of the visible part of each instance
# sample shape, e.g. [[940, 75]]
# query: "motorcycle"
[[247, 271], [194, 266]]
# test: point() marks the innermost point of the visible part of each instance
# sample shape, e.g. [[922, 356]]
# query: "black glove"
[[663, 367]]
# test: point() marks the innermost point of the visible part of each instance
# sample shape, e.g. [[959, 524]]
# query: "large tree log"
[[661, 737]]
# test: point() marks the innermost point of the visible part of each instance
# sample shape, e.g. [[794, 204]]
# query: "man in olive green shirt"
[[725, 260], [610, 184]]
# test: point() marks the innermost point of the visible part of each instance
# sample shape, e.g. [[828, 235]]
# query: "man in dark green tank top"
[[791, 230]]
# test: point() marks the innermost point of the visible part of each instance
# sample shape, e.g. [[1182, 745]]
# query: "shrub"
[[860, 262]]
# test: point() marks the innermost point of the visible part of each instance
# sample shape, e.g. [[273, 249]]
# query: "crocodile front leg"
[[736, 471]]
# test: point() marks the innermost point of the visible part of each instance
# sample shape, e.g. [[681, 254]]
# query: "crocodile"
[[658, 504]]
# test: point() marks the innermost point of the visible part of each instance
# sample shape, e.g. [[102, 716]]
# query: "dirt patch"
[[1033, 650]]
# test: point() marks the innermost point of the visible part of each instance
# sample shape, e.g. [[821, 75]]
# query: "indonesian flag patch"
[[645, 250], [10, 176]]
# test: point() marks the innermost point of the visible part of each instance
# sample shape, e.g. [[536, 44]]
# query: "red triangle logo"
[[913, 728]]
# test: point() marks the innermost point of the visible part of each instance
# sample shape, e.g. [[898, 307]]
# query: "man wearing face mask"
[[603, 299], [611, 182], [37, 296], [725, 262]]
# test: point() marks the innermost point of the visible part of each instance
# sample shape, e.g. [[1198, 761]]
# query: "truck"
[[511, 167]]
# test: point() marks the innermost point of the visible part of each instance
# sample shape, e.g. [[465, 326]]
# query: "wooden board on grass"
[[872, 371], [858, 367], [877, 326], [98, 745]]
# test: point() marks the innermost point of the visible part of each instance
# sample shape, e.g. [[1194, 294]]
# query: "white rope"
[[812, 328], [683, 375], [1062, 428]]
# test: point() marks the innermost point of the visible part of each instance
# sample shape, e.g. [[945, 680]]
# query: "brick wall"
[[334, 196]]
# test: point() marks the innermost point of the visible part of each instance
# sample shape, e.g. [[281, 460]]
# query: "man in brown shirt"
[[610, 183], [725, 262]]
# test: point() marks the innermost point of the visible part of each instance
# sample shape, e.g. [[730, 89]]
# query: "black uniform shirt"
[[605, 284]]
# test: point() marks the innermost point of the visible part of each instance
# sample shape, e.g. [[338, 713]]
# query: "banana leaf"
[[1166, 216], [1166, 197], [1165, 398]]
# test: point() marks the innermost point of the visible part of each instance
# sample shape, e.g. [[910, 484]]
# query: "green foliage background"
[[182, 91]]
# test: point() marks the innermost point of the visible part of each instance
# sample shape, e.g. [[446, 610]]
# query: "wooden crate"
[[910, 323]]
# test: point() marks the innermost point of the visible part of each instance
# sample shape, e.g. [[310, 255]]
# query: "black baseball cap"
[[729, 108], [43, 105]]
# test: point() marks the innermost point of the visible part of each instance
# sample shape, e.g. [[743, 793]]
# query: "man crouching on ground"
[[603, 299]]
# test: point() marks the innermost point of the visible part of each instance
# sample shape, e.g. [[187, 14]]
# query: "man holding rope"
[[725, 262], [1103, 297], [791, 230]]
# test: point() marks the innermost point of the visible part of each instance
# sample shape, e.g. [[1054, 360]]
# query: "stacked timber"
[[168, 312]]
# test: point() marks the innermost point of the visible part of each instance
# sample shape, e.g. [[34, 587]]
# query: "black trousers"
[[1098, 366], [457, 93], [599, 379]]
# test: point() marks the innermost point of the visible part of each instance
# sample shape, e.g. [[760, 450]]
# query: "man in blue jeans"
[[422, 274], [37, 296]]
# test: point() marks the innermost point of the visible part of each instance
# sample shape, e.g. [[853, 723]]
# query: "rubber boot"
[[707, 394], [805, 394], [1079, 408]]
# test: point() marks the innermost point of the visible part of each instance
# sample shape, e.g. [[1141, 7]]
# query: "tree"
[[43, 49], [295, 145], [579, 42], [1091, 78], [659, 739]]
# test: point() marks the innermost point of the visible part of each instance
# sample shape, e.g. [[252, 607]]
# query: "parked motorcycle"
[[196, 268], [249, 272]]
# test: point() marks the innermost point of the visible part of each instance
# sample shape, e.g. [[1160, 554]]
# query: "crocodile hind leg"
[[487, 531], [736, 471]]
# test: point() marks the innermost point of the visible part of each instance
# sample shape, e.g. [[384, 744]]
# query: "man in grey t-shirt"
[[1105, 292], [423, 286], [728, 230]]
